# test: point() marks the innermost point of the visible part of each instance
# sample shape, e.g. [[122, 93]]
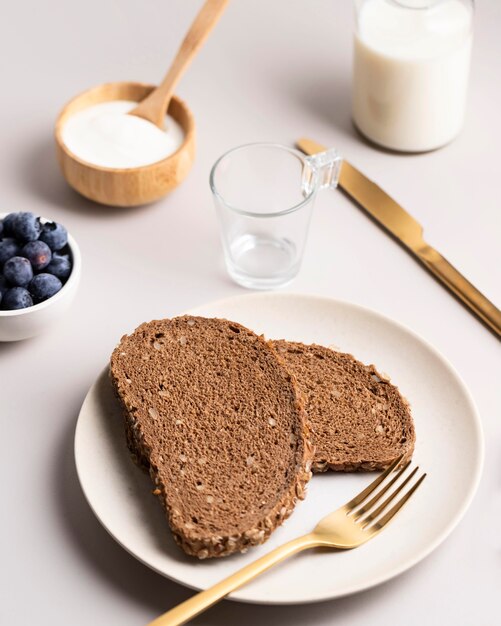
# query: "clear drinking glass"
[[264, 195]]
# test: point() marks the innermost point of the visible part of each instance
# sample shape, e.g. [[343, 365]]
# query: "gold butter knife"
[[409, 232]]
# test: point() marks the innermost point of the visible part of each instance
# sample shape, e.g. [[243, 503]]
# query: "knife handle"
[[462, 288], [428, 256]]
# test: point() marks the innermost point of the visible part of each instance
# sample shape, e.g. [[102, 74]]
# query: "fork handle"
[[205, 599]]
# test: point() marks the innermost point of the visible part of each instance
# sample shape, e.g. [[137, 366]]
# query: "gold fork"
[[348, 527]]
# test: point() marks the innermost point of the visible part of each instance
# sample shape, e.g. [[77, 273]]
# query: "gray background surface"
[[272, 71]]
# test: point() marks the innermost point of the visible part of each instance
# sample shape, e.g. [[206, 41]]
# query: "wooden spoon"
[[154, 107]]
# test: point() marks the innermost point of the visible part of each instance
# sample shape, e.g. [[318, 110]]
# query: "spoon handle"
[[154, 106]]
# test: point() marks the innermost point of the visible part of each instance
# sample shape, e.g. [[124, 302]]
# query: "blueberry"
[[38, 254], [18, 271], [1, 228], [8, 249], [54, 235], [60, 266], [4, 285], [8, 223], [16, 298], [26, 227], [44, 286]]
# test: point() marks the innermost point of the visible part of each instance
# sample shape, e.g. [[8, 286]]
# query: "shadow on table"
[[328, 100], [112, 566], [7, 347]]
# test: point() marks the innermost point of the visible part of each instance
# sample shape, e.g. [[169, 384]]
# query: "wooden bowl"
[[128, 186]]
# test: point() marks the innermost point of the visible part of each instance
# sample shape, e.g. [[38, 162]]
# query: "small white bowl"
[[34, 320]]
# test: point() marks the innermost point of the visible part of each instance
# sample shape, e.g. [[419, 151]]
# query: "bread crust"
[[222, 543]]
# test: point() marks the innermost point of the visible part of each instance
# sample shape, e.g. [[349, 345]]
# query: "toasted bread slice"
[[215, 416], [359, 420]]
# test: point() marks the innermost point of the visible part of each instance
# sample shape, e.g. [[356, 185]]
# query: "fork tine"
[[374, 514], [358, 499], [395, 509], [365, 508]]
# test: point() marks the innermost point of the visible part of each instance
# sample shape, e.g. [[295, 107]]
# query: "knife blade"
[[399, 223]]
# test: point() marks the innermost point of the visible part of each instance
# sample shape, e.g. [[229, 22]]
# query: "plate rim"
[[388, 574]]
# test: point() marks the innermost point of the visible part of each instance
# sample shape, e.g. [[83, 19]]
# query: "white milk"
[[105, 135], [411, 72]]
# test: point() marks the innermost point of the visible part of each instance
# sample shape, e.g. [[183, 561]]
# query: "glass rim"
[[262, 144]]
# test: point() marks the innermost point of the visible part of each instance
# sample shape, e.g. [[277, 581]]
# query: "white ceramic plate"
[[449, 448]]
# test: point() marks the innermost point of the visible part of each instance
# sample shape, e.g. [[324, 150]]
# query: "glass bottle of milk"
[[410, 71]]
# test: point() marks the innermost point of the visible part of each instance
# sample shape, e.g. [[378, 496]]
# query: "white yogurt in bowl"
[[105, 135]]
